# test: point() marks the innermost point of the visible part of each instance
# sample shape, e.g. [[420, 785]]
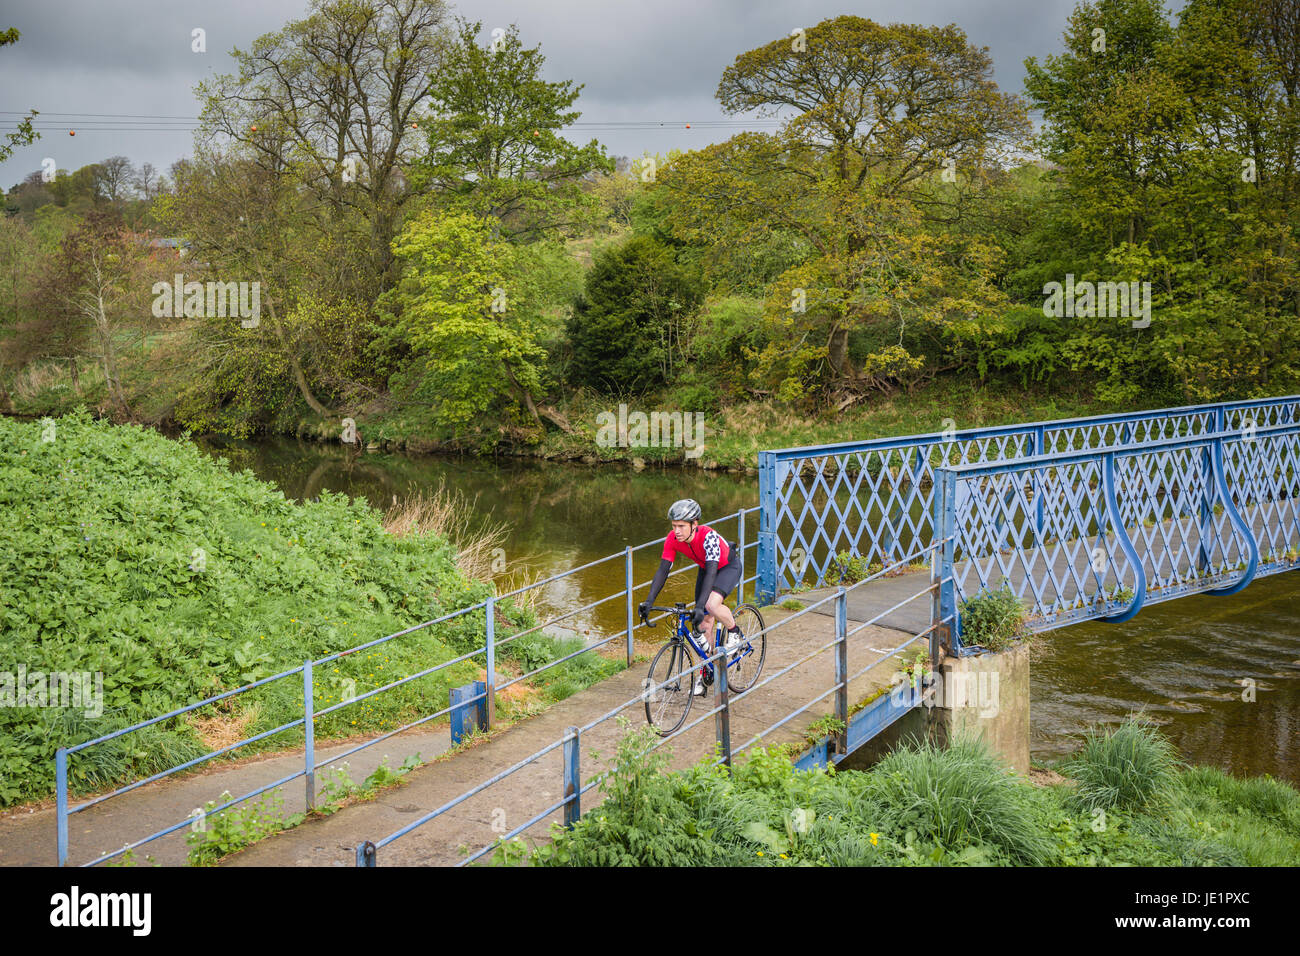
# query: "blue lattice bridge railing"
[[1082, 518]]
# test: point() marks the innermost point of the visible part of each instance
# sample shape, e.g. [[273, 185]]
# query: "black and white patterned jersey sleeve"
[[712, 546]]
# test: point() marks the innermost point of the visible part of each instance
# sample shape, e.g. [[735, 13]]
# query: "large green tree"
[[471, 311], [878, 112], [331, 102], [628, 326], [1176, 147], [493, 146]]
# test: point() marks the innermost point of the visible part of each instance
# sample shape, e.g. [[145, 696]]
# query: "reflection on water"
[[1189, 663], [1184, 661]]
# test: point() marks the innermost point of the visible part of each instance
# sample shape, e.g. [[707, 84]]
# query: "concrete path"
[[29, 838]]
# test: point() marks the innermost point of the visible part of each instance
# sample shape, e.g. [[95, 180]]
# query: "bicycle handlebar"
[[678, 609]]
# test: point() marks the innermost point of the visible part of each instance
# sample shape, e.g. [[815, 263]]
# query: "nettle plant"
[[994, 619]]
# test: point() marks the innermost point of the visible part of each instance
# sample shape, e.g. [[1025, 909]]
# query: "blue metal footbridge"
[[1088, 518]]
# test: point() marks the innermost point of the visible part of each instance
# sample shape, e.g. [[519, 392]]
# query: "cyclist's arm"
[[712, 555], [661, 576], [710, 572]]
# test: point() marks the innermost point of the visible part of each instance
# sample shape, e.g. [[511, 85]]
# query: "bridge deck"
[[29, 838], [332, 841]]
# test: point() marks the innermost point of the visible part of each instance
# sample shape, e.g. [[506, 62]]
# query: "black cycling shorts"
[[724, 582]]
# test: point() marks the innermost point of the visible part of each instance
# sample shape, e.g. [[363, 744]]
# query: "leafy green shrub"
[[993, 619], [216, 835], [921, 806], [643, 822], [1132, 766], [853, 568], [140, 558]]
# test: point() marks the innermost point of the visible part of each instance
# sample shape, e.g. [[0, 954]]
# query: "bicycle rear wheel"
[[668, 688], [746, 664]]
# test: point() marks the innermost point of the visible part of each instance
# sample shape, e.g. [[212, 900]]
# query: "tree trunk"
[[838, 352], [110, 358], [299, 379], [528, 399]]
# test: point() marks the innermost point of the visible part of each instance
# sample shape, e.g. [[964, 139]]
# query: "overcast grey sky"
[[640, 60]]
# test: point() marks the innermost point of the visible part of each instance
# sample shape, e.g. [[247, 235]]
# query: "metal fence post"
[[722, 719], [1039, 449], [765, 585], [629, 607], [842, 667], [1205, 528], [945, 523], [491, 679], [740, 588], [61, 784], [309, 728], [572, 779]]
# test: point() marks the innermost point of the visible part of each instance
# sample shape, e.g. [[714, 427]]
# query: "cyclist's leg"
[[717, 608], [706, 626], [723, 584]]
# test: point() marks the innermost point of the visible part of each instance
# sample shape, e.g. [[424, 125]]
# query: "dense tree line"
[[427, 242]]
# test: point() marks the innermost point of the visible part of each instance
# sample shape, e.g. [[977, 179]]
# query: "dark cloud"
[[638, 61]]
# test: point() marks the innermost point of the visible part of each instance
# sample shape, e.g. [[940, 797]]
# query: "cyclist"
[[718, 576]]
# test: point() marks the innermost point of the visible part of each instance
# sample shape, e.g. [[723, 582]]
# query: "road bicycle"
[[669, 686]]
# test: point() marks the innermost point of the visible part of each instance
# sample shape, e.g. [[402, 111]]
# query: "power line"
[[163, 123]]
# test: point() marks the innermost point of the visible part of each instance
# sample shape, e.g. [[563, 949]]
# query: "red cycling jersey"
[[705, 545]]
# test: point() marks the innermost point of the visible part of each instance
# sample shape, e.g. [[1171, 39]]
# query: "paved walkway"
[[28, 838]]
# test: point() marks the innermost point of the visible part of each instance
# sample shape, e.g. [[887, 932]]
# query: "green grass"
[[734, 434], [923, 806]]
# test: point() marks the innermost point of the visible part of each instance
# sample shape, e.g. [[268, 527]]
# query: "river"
[[1222, 675]]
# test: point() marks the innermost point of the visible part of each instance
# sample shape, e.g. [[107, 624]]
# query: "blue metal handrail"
[[886, 484], [1111, 496], [366, 852], [487, 650]]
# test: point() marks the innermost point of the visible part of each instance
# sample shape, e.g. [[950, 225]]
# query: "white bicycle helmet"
[[687, 509]]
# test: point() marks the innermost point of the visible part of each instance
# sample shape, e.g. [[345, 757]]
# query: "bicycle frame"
[[685, 631]]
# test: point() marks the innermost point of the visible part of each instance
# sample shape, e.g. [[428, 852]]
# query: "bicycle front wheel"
[[745, 664], [668, 688]]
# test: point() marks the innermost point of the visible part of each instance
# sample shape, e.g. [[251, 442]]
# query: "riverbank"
[[586, 428]]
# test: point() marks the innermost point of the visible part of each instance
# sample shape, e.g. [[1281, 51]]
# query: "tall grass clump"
[[959, 797], [448, 514], [1131, 767]]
